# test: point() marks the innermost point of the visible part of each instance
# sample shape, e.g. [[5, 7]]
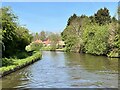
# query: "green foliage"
[[21, 55], [114, 19], [95, 39], [46, 48], [72, 34], [102, 16], [39, 36], [8, 29], [34, 47], [23, 38], [7, 62], [35, 36], [92, 19], [114, 53], [54, 38], [98, 34], [114, 40], [19, 62], [15, 37], [71, 18], [42, 35], [1, 44], [10, 61], [69, 38]]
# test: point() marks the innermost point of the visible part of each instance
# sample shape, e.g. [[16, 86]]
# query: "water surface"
[[66, 70]]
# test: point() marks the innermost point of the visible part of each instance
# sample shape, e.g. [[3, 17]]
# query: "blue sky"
[[53, 16]]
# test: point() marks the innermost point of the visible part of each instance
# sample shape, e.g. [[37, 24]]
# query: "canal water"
[[66, 70]]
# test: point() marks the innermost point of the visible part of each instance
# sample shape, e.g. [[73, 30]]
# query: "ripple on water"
[[64, 70]]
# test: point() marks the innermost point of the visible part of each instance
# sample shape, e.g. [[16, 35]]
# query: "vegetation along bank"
[[17, 64], [98, 34], [13, 39]]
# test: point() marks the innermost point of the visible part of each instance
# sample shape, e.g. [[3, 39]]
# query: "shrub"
[[34, 47], [7, 62], [95, 39]]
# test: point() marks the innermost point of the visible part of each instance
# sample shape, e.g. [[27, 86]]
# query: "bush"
[[95, 39], [34, 47], [11, 64], [21, 55], [7, 62], [114, 53]]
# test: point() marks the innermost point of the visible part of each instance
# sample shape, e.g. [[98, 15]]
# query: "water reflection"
[[91, 71], [92, 63], [20, 77], [66, 70]]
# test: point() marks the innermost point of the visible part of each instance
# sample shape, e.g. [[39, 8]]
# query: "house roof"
[[38, 41]]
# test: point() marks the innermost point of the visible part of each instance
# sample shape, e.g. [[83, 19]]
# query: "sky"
[[53, 16]]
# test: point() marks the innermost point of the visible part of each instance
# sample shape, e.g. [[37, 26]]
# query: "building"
[[61, 44], [37, 41], [46, 42]]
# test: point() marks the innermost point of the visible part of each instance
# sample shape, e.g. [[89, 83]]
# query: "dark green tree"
[[71, 18], [102, 16], [9, 26], [23, 37], [92, 19], [14, 36], [114, 19]]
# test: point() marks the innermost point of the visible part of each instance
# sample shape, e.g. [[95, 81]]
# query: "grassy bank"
[[20, 63]]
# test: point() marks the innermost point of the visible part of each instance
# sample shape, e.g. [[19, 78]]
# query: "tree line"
[[98, 34], [14, 37], [45, 35]]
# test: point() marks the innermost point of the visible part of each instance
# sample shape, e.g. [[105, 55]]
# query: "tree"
[[71, 18], [72, 34], [8, 28], [114, 37], [102, 16], [114, 19], [95, 39], [54, 38], [23, 37], [14, 36], [42, 35], [113, 40], [92, 19], [35, 36]]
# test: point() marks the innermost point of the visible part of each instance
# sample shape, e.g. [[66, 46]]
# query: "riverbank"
[[20, 63], [48, 48], [111, 55]]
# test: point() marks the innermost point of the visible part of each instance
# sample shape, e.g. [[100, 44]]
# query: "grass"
[[21, 62]]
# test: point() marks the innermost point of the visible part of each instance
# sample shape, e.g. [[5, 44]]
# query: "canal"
[[66, 70]]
